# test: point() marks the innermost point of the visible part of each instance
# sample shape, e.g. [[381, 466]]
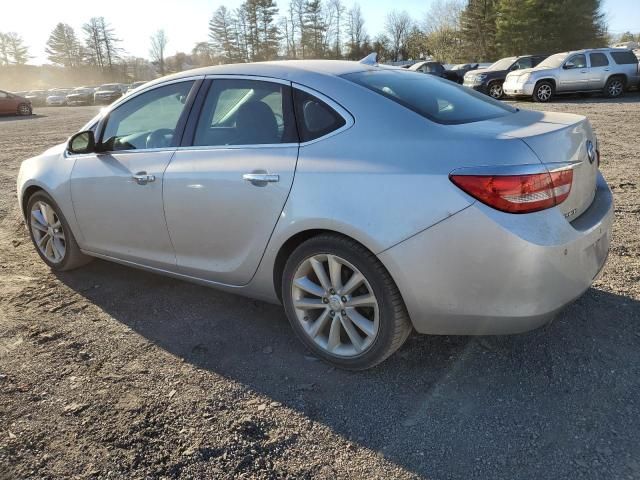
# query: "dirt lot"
[[115, 373]]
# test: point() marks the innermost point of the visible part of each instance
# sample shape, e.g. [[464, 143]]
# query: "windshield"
[[503, 64], [554, 61], [434, 98], [110, 88]]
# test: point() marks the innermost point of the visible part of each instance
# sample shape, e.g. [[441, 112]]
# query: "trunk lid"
[[556, 139]]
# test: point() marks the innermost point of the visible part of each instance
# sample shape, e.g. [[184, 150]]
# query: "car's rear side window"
[[437, 99], [598, 60], [624, 58], [314, 117]]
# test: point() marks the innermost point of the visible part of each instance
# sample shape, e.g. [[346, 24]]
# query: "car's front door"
[[574, 75], [6, 103], [117, 194], [598, 71], [225, 190]]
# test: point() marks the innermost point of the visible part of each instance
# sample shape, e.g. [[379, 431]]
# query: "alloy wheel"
[[335, 305], [47, 231], [24, 109], [615, 88], [495, 91], [544, 92]]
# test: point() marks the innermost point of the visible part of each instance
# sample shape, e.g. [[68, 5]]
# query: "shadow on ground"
[[13, 118], [450, 404]]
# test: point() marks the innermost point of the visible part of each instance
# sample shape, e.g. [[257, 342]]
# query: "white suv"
[[608, 70]]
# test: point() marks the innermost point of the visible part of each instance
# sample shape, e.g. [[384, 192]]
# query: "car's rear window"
[[439, 100], [624, 58]]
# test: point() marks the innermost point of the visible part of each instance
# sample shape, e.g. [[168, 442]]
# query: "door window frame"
[[599, 66], [586, 65], [180, 126]]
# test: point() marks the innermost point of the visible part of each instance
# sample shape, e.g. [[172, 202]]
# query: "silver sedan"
[[368, 201]]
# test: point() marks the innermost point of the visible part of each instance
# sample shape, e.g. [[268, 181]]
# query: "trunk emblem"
[[591, 151]]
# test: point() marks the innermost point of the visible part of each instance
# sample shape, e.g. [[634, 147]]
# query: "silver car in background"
[[369, 201], [607, 70]]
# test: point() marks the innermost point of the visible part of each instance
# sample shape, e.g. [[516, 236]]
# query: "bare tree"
[[398, 26], [356, 32], [93, 42], [159, 42], [442, 26], [109, 43]]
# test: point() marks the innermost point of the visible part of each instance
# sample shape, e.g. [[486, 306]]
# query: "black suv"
[[489, 80], [437, 69]]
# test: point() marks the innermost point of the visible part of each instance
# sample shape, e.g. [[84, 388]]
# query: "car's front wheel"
[[495, 90], [24, 109], [543, 92], [342, 302], [51, 234]]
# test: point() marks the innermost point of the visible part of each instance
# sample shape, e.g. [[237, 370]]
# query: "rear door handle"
[[142, 178], [261, 179]]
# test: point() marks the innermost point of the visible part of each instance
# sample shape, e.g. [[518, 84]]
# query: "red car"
[[14, 104]]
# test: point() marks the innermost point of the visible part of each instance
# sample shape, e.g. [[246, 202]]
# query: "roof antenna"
[[371, 59]]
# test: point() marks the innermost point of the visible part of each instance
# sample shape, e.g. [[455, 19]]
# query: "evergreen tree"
[[221, 35], [315, 29], [478, 30], [63, 47], [18, 53], [541, 26]]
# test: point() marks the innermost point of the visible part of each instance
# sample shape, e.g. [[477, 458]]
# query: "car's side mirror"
[[83, 142], [569, 66]]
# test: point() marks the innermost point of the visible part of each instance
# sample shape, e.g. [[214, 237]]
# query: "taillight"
[[518, 193]]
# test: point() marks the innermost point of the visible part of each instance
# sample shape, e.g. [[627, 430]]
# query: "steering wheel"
[[160, 138]]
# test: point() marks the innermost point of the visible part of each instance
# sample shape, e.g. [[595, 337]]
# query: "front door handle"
[[142, 178], [261, 179]]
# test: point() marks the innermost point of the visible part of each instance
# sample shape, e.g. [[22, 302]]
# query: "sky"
[[186, 21]]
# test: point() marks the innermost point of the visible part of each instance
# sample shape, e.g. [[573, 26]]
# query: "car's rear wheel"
[[543, 92], [614, 87], [24, 109], [342, 303], [51, 234], [495, 90]]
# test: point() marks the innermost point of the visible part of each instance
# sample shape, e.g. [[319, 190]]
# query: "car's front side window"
[[148, 120], [522, 63], [577, 61], [246, 112]]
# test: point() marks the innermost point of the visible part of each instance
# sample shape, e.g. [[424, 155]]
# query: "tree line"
[[450, 31]]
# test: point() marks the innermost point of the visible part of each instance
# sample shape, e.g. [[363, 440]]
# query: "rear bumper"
[[484, 272]]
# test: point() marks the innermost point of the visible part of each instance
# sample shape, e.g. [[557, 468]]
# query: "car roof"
[[293, 70]]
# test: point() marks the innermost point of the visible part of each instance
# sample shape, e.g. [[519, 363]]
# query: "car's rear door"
[[225, 188], [117, 194]]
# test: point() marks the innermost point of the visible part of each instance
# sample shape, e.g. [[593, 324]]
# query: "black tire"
[[543, 92], [73, 257], [24, 109], [494, 89], [394, 324], [614, 87]]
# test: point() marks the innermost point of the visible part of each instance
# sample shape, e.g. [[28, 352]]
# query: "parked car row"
[[611, 71], [101, 95]]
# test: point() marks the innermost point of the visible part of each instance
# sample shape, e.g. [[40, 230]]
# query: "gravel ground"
[[115, 373]]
